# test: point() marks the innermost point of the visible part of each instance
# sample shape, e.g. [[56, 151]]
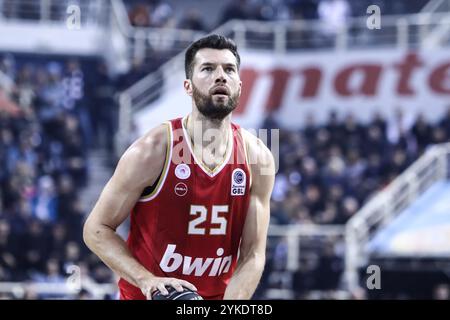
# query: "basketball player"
[[199, 210]]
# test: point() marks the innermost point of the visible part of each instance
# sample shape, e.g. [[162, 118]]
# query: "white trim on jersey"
[[217, 169], [167, 162]]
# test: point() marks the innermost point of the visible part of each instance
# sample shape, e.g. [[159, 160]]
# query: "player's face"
[[216, 85]]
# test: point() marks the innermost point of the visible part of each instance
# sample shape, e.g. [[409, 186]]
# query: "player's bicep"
[[114, 204], [138, 167]]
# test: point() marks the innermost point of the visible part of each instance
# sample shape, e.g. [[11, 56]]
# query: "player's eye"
[[207, 69], [230, 69]]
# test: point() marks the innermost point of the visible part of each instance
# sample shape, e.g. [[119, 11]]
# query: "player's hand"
[[160, 283]]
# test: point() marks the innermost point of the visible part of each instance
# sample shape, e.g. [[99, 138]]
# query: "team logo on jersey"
[[182, 171], [238, 180], [181, 189]]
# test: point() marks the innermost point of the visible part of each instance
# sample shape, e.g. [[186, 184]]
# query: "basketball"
[[175, 295]]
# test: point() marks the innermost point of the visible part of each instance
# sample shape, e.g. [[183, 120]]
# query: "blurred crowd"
[[51, 116], [333, 15], [326, 173], [92, 12], [160, 13]]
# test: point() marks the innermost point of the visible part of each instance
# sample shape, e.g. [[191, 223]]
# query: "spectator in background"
[[74, 152], [303, 9], [72, 254], [278, 216], [75, 99], [59, 238], [310, 128], [137, 71], [353, 133], [379, 121], [67, 193], [192, 20], [51, 275], [35, 247], [75, 219], [334, 129], [421, 130], [45, 202], [398, 127], [329, 269], [8, 106], [139, 15], [103, 109], [333, 15], [270, 123], [236, 9], [438, 135], [280, 255], [23, 154], [375, 140], [354, 173], [162, 16], [18, 217], [9, 247], [84, 295], [275, 10]]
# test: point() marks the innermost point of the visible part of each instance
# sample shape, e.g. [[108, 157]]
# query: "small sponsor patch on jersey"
[[238, 182], [182, 171], [181, 189]]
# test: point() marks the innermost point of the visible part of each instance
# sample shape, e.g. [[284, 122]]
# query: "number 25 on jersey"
[[217, 217]]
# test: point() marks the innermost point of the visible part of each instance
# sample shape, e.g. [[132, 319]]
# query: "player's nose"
[[220, 76]]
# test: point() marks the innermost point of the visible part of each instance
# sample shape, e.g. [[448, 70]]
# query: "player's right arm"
[[138, 168]]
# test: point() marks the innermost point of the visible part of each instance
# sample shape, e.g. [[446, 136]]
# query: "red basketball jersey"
[[190, 226]]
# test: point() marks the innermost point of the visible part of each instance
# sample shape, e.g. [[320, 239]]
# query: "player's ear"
[[188, 86]]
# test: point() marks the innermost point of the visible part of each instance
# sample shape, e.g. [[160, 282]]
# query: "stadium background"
[[363, 117]]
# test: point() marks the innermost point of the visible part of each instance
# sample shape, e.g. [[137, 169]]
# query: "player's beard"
[[214, 110]]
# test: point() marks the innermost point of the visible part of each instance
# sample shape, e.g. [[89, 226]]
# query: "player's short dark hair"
[[213, 41]]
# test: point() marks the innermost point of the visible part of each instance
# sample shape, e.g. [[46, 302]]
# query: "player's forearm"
[[245, 279], [113, 251]]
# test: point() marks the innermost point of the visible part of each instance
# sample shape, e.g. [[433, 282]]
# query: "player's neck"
[[197, 124]]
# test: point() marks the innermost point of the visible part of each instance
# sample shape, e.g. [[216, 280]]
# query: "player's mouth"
[[220, 92]]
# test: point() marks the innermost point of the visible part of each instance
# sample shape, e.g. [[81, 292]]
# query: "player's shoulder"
[[258, 153], [150, 148]]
